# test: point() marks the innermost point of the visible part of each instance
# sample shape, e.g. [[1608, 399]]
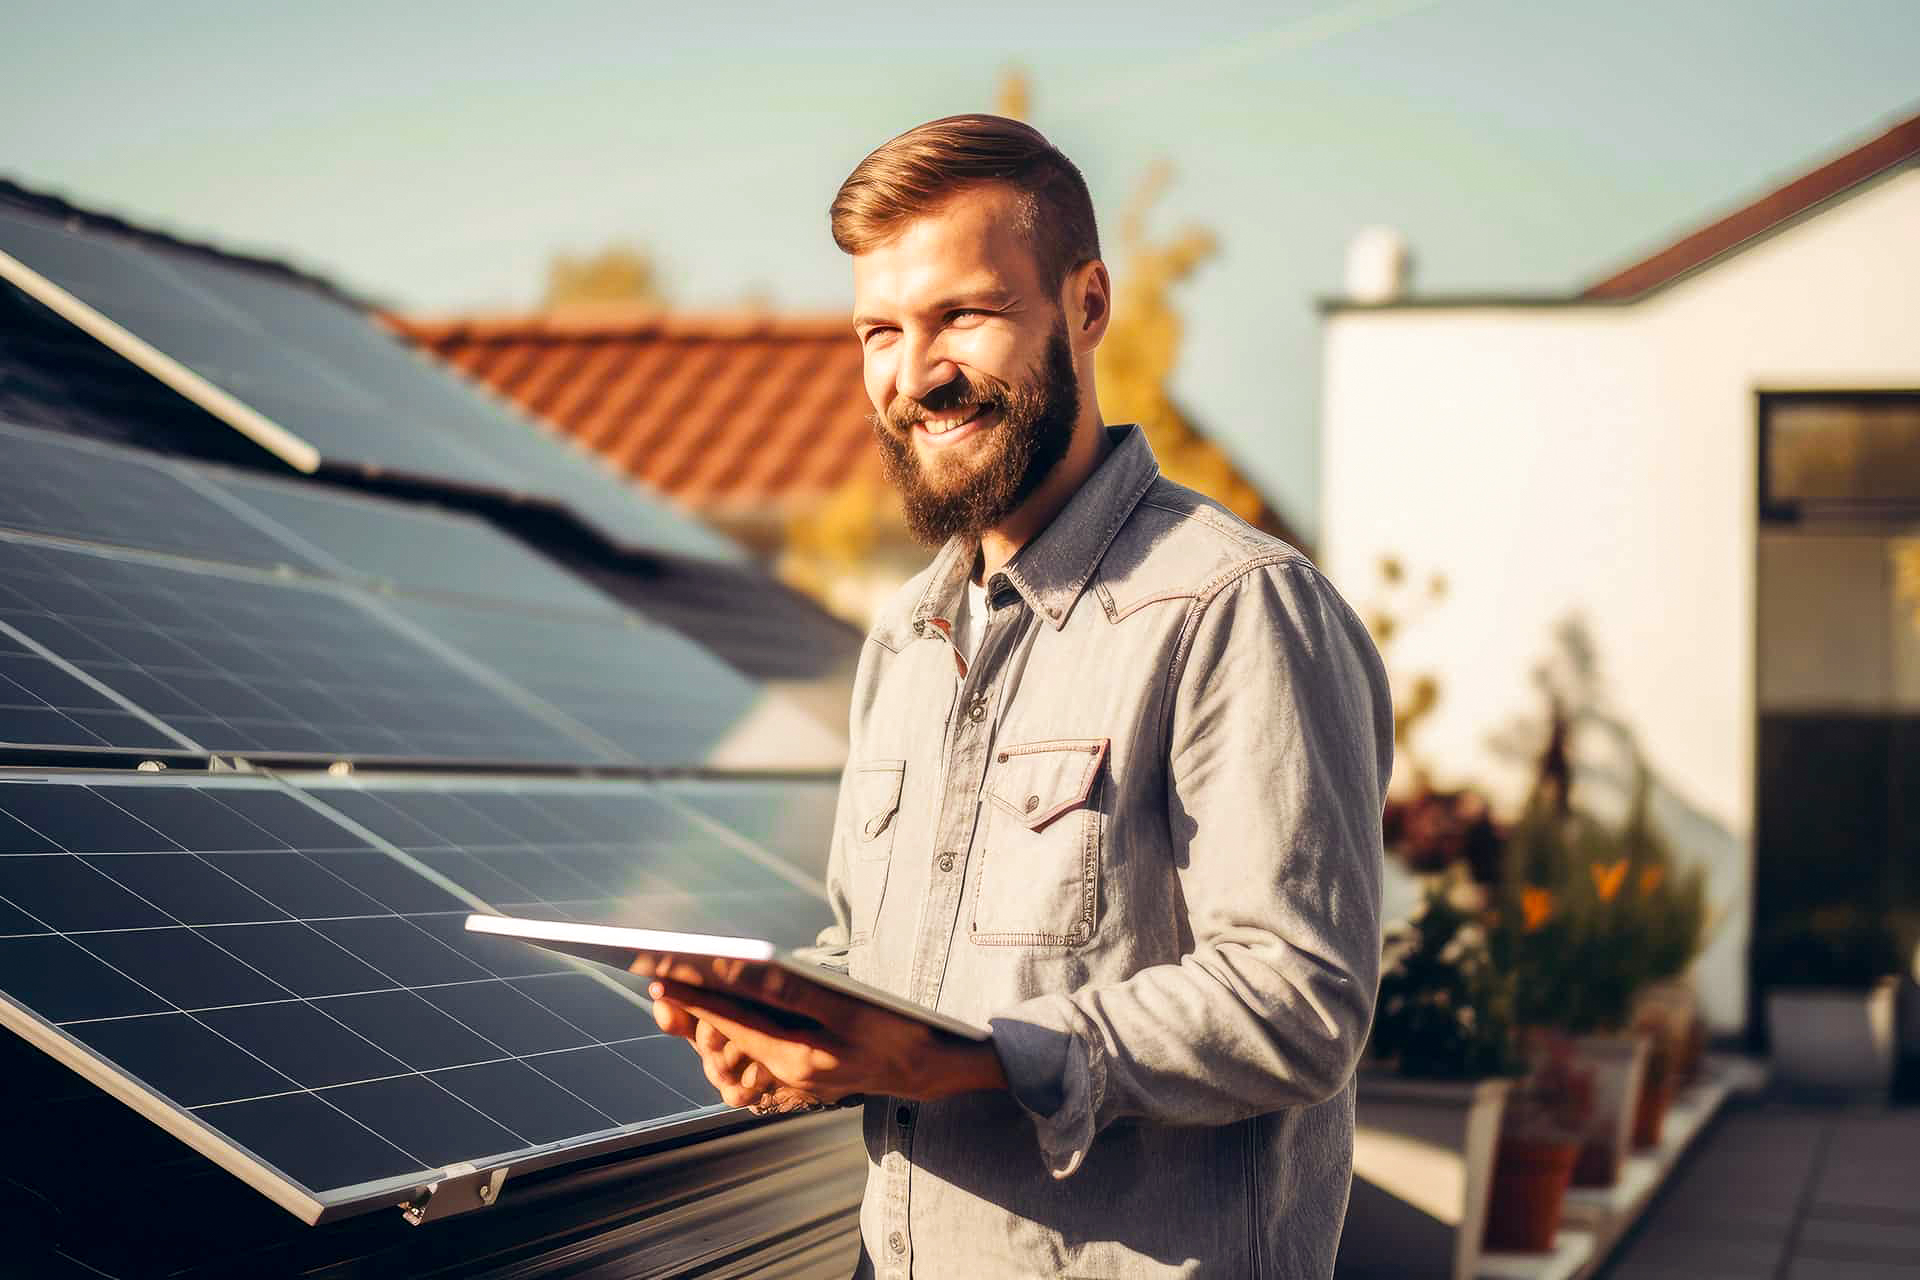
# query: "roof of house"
[[740, 411], [1779, 208]]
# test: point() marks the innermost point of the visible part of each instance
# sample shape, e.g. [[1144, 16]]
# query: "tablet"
[[619, 948]]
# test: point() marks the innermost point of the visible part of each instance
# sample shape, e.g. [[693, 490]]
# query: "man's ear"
[[1087, 301]]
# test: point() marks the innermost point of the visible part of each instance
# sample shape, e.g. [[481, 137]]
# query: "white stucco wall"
[[1599, 462]]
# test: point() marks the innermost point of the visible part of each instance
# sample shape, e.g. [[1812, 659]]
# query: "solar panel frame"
[[190, 1122]]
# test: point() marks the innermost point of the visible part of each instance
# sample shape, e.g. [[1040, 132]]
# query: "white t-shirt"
[[972, 622]]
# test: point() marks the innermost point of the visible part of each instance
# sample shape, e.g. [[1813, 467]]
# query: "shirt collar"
[[1052, 570]]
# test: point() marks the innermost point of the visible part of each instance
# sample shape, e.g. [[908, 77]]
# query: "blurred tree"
[[1137, 358], [1014, 96], [620, 272]]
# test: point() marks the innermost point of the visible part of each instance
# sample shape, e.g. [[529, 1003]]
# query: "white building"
[[1710, 461]]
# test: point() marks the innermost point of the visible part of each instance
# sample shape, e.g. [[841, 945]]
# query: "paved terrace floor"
[[1782, 1192]]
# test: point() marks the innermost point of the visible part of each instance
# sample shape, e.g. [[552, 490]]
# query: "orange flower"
[[1650, 878], [1607, 880], [1537, 904]]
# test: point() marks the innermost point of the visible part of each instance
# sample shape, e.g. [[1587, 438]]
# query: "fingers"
[[673, 1019]]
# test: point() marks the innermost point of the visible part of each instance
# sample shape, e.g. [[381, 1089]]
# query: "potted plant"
[[1830, 978], [1566, 928], [1671, 909], [1541, 1133], [1431, 1097]]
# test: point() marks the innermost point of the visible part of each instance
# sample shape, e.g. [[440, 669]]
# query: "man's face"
[[967, 362]]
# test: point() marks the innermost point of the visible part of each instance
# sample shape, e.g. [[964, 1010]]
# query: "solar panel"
[[412, 547], [318, 368], [96, 493], [300, 1004], [239, 663], [43, 704], [607, 852], [650, 692], [792, 820]]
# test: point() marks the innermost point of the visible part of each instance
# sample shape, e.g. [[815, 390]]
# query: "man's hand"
[[832, 1047]]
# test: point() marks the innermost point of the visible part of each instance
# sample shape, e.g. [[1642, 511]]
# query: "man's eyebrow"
[[987, 299]]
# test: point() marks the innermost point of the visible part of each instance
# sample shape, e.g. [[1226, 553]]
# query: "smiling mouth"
[[949, 432]]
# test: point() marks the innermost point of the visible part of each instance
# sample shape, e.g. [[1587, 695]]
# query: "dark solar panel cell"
[[62, 983], [393, 884], [672, 1062], [296, 823], [590, 1005], [182, 1059], [507, 1018], [523, 1100], [79, 820], [310, 1141], [299, 959], [191, 819], [183, 968], [424, 1119], [295, 884], [410, 1029], [15, 921], [392, 944], [304, 1044], [609, 1082], [187, 888], [70, 895]]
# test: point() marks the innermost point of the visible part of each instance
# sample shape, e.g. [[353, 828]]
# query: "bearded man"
[[1118, 762]]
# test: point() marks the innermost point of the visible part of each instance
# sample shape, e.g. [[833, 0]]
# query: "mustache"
[[958, 393]]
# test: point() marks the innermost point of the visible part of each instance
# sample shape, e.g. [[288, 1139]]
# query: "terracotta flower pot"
[[1530, 1177], [1650, 1116], [1618, 1063]]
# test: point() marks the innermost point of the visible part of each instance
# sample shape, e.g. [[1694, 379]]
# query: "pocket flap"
[[876, 795], [1039, 781]]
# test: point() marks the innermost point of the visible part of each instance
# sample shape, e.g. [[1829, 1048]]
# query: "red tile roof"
[[723, 412], [1898, 145]]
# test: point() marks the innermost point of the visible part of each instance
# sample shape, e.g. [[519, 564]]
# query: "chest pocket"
[[1038, 883], [876, 800]]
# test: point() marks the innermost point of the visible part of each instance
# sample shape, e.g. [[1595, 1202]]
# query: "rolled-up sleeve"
[[1279, 732]]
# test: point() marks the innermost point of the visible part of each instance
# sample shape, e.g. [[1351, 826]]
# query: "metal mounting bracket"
[[462, 1188]]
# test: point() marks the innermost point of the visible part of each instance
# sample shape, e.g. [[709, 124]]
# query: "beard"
[[1034, 427]]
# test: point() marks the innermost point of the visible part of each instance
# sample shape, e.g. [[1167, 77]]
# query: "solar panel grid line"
[[611, 1132], [197, 479], [250, 422], [86, 678]]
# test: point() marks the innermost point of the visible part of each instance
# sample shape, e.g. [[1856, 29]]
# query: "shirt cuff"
[[1057, 1075]]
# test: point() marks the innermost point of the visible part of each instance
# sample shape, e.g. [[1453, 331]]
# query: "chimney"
[[1379, 265]]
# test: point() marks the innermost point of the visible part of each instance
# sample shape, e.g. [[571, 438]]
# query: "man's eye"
[[875, 335]]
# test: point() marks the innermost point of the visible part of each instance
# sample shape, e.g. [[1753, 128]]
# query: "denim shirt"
[[1139, 837]]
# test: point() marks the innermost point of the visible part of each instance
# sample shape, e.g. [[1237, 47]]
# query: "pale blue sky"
[[434, 154]]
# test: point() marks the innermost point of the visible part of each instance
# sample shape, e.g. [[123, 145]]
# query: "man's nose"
[[923, 370]]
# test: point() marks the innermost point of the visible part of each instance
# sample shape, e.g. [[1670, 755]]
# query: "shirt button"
[[897, 1242], [1033, 802], [946, 862], [978, 711], [904, 1116]]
